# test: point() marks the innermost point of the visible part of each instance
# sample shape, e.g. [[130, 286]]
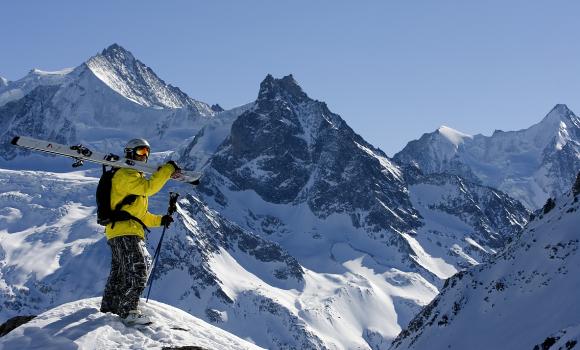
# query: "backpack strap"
[[122, 215]]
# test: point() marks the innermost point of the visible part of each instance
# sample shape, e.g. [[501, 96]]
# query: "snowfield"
[[80, 325]]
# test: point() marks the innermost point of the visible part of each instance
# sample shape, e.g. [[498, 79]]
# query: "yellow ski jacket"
[[130, 181]]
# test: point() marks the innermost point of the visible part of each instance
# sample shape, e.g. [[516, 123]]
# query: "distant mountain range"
[[301, 234], [530, 165]]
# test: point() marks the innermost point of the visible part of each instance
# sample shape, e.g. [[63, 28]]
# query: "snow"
[[438, 266], [80, 325], [336, 307], [527, 164], [19, 251], [33, 248], [385, 162], [64, 71], [453, 136], [254, 167], [475, 244], [523, 296], [119, 70], [344, 272], [105, 116], [19, 88]]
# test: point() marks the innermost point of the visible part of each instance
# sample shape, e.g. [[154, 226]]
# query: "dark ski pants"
[[129, 266]]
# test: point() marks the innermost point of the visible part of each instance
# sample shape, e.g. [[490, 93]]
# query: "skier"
[[126, 237]]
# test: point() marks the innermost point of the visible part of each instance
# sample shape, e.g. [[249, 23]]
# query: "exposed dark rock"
[[291, 149], [576, 187], [550, 204], [217, 108], [13, 323]]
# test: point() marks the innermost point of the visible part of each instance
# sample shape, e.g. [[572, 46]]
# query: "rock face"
[[32, 116], [522, 299], [122, 72], [530, 165], [196, 152], [291, 149], [13, 323], [465, 221]]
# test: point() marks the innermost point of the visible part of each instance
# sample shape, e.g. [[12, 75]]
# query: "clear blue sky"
[[392, 69]]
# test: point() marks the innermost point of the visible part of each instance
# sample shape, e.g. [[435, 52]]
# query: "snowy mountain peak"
[[530, 164], [287, 87], [454, 136], [560, 113], [217, 108], [122, 72], [3, 81], [560, 109], [116, 51]]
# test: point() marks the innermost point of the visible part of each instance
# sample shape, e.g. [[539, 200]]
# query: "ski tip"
[[15, 140]]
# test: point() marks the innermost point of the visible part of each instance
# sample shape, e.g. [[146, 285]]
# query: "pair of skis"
[[81, 153]]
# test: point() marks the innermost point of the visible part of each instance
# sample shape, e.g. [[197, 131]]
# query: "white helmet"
[[137, 143], [133, 144]]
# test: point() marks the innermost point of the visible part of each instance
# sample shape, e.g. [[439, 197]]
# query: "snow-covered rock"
[[122, 72], [3, 82], [464, 222], [36, 77], [80, 325], [195, 152], [525, 298], [530, 165]]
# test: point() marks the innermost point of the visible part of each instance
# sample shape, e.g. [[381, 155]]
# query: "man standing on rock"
[[126, 233]]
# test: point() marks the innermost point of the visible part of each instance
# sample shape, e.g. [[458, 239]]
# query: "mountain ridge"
[[531, 164], [119, 69], [124, 99], [519, 300]]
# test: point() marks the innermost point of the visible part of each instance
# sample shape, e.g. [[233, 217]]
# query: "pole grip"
[[173, 196]]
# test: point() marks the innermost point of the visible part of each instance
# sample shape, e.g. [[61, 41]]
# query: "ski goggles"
[[142, 151]]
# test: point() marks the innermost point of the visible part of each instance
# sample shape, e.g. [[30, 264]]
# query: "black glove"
[[166, 220], [177, 168]]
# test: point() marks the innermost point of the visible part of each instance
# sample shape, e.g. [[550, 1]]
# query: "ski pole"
[[172, 208]]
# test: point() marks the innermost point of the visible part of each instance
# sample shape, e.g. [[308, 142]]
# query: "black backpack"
[[105, 214]]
